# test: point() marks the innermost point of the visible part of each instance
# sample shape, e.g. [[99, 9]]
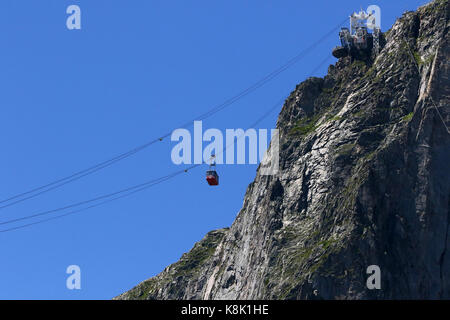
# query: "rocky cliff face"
[[364, 180]]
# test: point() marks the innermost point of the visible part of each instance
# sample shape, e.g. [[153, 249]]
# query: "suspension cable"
[[88, 171]]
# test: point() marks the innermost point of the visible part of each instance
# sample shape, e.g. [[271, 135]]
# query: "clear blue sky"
[[136, 69]]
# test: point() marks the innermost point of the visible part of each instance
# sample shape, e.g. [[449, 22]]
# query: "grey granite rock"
[[364, 180]]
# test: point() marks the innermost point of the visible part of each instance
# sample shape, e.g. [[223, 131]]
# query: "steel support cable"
[[275, 106], [137, 188], [119, 194], [78, 175], [141, 185], [84, 209]]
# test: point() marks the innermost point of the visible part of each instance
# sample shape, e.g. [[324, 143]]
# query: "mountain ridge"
[[364, 180]]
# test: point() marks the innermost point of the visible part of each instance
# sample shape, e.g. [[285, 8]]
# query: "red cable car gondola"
[[211, 175]]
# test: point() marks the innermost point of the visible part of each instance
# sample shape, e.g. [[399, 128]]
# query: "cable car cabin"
[[212, 177]]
